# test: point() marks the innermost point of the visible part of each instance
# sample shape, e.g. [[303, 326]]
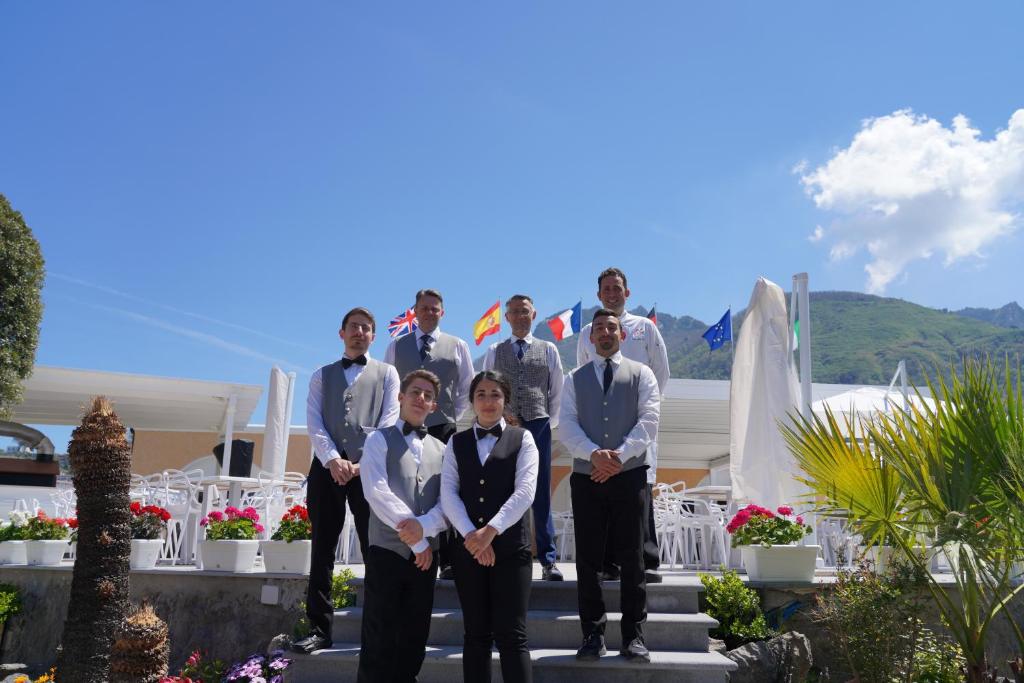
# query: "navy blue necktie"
[[521, 343], [425, 349], [607, 374]]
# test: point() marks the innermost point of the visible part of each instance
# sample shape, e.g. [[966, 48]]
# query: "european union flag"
[[720, 332]]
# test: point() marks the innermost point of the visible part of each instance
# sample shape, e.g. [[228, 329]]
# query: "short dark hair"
[[518, 297], [424, 375], [361, 311], [503, 384], [604, 313], [429, 292], [609, 272]]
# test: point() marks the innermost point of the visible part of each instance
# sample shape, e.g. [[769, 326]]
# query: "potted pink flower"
[[47, 539], [288, 550], [230, 544], [768, 544]]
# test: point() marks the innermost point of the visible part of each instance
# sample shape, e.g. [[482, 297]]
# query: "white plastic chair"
[[179, 495], [565, 535]]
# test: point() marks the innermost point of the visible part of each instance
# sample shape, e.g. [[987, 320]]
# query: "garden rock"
[[279, 643], [785, 657]]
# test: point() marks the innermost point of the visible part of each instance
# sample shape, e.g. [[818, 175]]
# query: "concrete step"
[[444, 665], [556, 629], [680, 597]]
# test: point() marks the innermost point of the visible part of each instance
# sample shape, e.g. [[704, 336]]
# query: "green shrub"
[[342, 592], [736, 608], [10, 601]]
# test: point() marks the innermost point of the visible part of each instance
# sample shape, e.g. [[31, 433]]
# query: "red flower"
[[785, 510], [59, 521], [72, 522], [165, 515], [136, 508]]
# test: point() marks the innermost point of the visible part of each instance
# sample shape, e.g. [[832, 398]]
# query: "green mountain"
[[1011, 315], [856, 339]]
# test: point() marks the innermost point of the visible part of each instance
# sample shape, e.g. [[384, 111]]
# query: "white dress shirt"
[[638, 440], [516, 505], [555, 376], [644, 344], [388, 507], [323, 445], [463, 361]]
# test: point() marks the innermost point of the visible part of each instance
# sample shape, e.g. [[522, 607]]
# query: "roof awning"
[[61, 396]]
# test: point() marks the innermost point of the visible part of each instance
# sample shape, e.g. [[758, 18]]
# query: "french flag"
[[567, 323]]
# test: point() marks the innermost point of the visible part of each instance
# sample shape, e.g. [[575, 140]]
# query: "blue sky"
[[214, 184]]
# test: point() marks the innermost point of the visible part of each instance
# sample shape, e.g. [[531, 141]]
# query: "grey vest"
[[529, 377], [348, 409], [608, 418], [441, 362], [417, 487]]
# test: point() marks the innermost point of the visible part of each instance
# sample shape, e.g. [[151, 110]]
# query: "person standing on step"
[[534, 369], [644, 344], [609, 419], [402, 483], [447, 357], [345, 398], [488, 482]]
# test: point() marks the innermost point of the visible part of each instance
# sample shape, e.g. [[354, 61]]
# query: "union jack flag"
[[402, 324]]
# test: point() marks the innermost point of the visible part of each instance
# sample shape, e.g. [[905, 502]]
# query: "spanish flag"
[[489, 324]]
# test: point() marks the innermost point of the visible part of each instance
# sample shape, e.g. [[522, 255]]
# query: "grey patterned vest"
[[529, 377], [608, 418], [348, 409], [441, 362], [417, 487]]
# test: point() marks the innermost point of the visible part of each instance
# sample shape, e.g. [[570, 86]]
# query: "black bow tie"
[[494, 431], [408, 429], [346, 362]]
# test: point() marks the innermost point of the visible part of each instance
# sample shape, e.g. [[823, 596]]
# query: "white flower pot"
[[282, 556], [780, 562], [45, 553], [13, 552], [145, 552], [879, 556], [228, 556]]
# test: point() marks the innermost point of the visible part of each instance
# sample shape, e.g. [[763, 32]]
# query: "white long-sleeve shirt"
[[555, 376], [517, 504], [640, 437], [463, 361], [324, 447], [388, 507]]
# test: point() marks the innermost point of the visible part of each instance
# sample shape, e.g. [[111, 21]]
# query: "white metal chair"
[[179, 495], [565, 535]]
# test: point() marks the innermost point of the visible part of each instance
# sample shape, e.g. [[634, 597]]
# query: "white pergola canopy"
[[62, 395]]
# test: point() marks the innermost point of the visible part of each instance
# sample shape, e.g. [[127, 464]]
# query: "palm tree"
[[101, 470], [952, 474]]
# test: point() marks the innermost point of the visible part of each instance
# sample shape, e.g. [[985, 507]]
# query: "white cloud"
[[908, 187]]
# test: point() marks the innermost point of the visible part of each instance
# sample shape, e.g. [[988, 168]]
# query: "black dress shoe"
[[447, 573], [652, 576], [610, 574], [592, 648], [311, 643], [551, 573], [636, 651]]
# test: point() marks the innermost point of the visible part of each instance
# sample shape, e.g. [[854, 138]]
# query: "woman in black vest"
[[488, 480]]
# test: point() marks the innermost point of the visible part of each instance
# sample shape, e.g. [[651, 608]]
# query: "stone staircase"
[[676, 633]]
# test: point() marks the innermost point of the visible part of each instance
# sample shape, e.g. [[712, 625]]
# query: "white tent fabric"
[[764, 390], [866, 403], [275, 438]]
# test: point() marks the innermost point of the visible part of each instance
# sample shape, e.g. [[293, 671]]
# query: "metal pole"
[[229, 434], [903, 385], [281, 462], [804, 303]]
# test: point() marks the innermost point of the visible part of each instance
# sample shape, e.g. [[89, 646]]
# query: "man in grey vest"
[[345, 399], [609, 418], [642, 343], [534, 370], [402, 483], [447, 357]]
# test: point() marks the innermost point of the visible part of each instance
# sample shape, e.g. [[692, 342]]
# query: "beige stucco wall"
[[157, 451]]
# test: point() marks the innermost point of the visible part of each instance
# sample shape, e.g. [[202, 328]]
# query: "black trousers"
[[610, 513], [652, 555], [446, 539], [494, 601], [397, 601], [325, 501]]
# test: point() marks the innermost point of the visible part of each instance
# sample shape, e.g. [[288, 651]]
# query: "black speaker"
[[241, 457]]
